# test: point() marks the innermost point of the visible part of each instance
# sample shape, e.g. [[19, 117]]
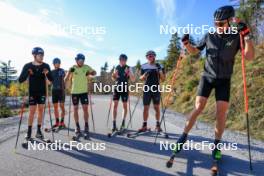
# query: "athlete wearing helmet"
[[58, 93], [36, 73], [152, 73], [121, 75], [79, 75], [221, 49]]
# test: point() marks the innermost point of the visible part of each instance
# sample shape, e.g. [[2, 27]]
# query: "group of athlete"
[[220, 55]]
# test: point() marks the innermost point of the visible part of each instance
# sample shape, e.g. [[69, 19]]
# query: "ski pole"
[[162, 120], [109, 111], [91, 108], [44, 113], [166, 104], [69, 116], [134, 109], [20, 120], [129, 108], [245, 99], [47, 96]]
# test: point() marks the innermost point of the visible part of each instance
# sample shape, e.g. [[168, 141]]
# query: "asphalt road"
[[122, 155]]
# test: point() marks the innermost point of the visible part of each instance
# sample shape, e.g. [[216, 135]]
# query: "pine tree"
[[173, 52]]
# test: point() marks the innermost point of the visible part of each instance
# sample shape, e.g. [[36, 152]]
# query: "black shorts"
[[221, 86], [58, 96], [148, 96], [77, 97], [36, 99], [123, 95]]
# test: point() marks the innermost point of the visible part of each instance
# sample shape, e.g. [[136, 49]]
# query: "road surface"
[[122, 155]]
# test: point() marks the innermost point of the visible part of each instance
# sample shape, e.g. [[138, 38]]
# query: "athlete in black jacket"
[[36, 73]]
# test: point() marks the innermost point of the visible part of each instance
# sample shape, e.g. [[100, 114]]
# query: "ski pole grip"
[[244, 74]]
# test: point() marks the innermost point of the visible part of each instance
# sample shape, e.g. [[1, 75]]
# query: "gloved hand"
[[90, 73], [30, 72], [45, 71], [243, 29], [127, 72], [72, 69], [185, 39], [158, 67]]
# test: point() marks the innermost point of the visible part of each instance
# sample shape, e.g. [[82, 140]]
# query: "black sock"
[[182, 138], [158, 124], [78, 125], [86, 127], [62, 120], [39, 128], [216, 141], [57, 120], [114, 124], [123, 122], [144, 124], [29, 131]]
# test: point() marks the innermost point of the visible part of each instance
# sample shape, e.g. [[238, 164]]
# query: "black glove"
[[159, 67], [30, 72], [88, 73], [185, 39], [148, 72], [243, 29], [45, 71], [72, 69]]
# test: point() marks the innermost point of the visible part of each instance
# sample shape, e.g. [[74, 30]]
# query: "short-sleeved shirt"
[[58, 79], [122, 75], [220, 54], [153, 73], [79, 79]]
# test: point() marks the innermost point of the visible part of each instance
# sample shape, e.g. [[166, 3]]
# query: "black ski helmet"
[[80, 56], [123, 57], [37, 50], [223, 13], [56, 61], [151, 52]]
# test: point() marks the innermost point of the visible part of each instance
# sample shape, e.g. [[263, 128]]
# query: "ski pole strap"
[[244, 73]]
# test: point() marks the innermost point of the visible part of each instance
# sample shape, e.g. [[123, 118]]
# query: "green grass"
[[186, 87]]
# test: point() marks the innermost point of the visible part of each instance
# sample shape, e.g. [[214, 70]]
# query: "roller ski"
[[26, 141], [122, 130], [56, 128], [160, 133], [86, 134], [177, 149], [216, 158], [113, 133], [77, 135], [141, 131], [41, 138]]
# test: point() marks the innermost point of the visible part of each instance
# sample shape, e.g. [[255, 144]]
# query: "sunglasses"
[[150, 55], [220, 23]]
